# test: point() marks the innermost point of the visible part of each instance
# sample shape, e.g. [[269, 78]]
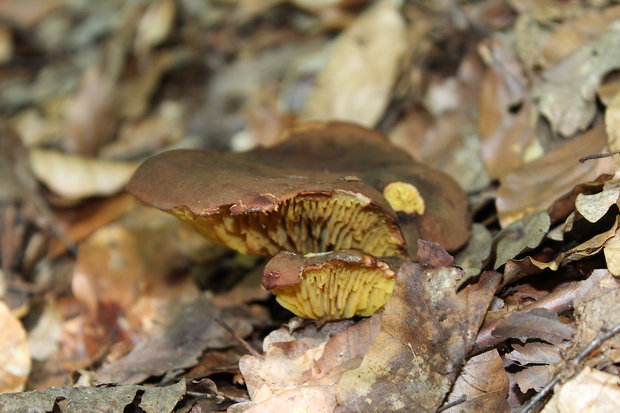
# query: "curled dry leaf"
[[593, 207], [77, 177], [591, 391], [533, 377], [484, 384], [355, 85], [426, 332], [535, 353], [14, 353]]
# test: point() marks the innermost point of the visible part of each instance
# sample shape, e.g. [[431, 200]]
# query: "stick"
[[596, 343], [237, 337]]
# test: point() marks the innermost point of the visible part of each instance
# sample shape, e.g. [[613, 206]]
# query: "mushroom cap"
[[319, 190], [331, 285]]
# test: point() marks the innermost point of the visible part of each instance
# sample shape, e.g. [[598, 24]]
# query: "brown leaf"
[[536, 185], [535, 353], [519, 236], [355, 84], [534, 377], [567, 95], [183, 336], [427, 330], [304, 366], [484, 383], [537, 323]]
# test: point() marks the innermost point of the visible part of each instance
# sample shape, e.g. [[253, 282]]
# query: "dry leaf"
[[14, 353], [475, 253], [533, 377], [538, 323], [426, 332], [76, 177], [536, 185], [91, 116], [484, 383], [303, 367], [591, 391], [363, 65], [567, 96], [519, 236], [182, 336], [155, 25], [535, 353], [85, 399], [594, 207]]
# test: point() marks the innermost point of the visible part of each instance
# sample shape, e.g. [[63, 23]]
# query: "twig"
[[237, 337], [596, 343], [558, 301], [453, 403], [598, 156]]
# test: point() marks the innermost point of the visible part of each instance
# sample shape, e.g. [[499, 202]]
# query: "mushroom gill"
[[304, 224], [330, 286]]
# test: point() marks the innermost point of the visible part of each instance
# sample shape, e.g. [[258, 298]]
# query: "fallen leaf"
[[567, 95], [597, 296], [179, 341], [155, 25], [14, 353], [535, 353], [85, 399], [77, 177], [477, 250], [538, 323], [484, 384], [591, 391], [519, 236], [303, 367], [538, 184], [534, 377], [355, 84], [594, 207], [426, 332]]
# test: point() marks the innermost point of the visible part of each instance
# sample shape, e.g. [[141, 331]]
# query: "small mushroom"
[[327, 186], [331, 285]]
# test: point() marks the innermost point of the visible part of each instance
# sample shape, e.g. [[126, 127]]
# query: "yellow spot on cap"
[[404, 197]]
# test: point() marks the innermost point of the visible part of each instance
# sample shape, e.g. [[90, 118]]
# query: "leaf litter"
[[505, 97]]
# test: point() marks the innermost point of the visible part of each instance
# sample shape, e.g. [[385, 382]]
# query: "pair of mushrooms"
[[330, 204]]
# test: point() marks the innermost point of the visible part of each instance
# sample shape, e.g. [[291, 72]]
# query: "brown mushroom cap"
[[259, 209], [332, 285], [319, 190]]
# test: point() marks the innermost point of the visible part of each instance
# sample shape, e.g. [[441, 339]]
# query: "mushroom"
[[327, 186], [331, 285]]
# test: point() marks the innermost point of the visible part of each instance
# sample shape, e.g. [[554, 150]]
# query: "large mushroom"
[[327, 186]]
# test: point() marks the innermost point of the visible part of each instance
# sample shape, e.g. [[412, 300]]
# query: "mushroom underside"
[[304, 224], [340, 290]]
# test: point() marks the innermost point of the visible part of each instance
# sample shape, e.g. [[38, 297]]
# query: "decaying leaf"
[[594, 207], [76, 177], [14, 353], [484, 384], [355, 85], [477, 250], [426, 332], [591, 391], [612, 124], [83, 399], [534, 377]]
